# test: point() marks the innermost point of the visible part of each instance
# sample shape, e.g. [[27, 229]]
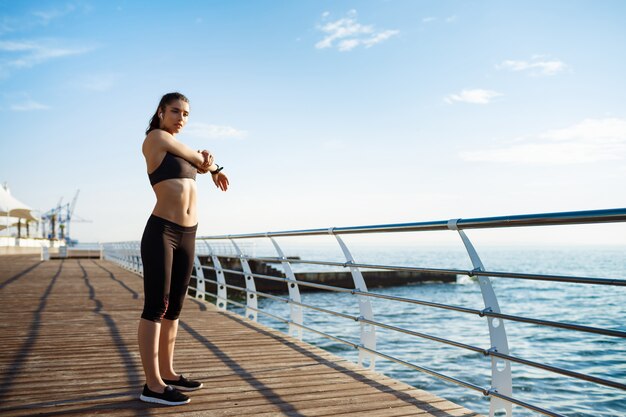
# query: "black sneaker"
[[169, 397], [184, 384]]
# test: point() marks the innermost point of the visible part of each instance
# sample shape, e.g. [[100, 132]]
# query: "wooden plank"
[[69, 349]]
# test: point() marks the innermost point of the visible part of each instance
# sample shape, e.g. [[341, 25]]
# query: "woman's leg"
[[148, 337], [167, 340], [157, 246], [182, 265]]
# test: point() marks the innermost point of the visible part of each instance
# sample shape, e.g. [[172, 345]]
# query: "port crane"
[[62, 216]]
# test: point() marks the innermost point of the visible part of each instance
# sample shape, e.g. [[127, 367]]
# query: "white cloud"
[[209, 131], [451, 19], [346, 33], [592, 140], [7, 25], [474, 96], [28, 105], [538, 65], [429, 19], [42, 17], [48, 15], [28, 53]]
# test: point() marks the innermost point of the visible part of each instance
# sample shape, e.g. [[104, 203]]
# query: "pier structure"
[[69, 349]]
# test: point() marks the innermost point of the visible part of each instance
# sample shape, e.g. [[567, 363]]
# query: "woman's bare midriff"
[[176, 201]]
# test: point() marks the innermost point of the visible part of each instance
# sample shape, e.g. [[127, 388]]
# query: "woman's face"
[[175, 116]]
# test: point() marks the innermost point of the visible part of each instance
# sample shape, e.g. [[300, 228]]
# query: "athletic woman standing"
[[168, 246]]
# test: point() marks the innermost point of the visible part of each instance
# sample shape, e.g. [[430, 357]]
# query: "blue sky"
[[324, 113]]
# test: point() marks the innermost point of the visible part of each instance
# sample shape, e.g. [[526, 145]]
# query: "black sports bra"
[[173, 166]]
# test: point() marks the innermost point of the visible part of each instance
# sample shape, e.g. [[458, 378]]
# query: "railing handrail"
[[500, 391], [470, 273], [543, 219]]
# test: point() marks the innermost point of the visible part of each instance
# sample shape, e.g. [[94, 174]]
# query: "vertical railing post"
[[251, 298], [294, 294], [129, 256], [368, 332], [137, 257], [222, 296], [501, 379], [199, 278], [125, 255]]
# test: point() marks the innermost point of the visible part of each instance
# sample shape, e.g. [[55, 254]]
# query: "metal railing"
[[500, 391]]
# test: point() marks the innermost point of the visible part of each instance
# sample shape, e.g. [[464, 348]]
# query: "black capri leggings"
[[167, 253]]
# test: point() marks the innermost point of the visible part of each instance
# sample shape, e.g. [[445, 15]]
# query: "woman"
[[168, 246]]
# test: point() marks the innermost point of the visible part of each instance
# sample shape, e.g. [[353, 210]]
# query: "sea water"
[[583, 304]]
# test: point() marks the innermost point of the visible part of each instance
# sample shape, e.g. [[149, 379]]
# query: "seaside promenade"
[[68, 338]]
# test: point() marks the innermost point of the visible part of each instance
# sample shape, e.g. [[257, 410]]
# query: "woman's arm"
[[161, 141]]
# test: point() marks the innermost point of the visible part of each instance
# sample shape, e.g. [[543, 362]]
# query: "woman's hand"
[[220, 180], [207, 161]]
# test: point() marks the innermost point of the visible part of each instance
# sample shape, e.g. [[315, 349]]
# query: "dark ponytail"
[[165, 100]]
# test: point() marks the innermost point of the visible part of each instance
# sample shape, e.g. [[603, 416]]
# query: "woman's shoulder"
[[159, 134], [157, 137]]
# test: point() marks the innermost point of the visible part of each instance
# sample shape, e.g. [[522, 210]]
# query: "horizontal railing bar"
[[547, 323], [551, 278], [424, 335], [419, 302], [543, 219], [524, 404], [362, 265], [470, 273], [286, 280], [555, 369]]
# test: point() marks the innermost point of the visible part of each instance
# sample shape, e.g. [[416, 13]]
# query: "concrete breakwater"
[[373, 278]]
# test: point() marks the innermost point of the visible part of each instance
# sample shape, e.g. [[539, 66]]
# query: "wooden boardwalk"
[[68, 348]]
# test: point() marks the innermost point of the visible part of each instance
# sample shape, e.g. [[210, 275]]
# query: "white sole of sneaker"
[[179, 388], [153, 400]]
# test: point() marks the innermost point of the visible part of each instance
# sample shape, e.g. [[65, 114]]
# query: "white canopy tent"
[[12, 210]]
